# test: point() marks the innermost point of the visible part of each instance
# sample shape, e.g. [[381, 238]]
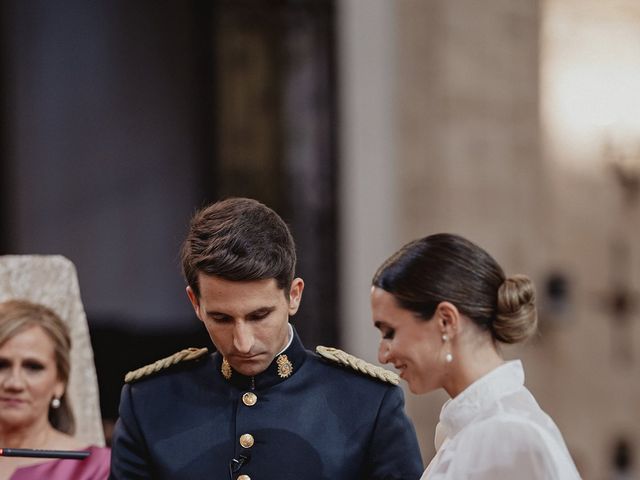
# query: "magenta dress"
[[94, 467]]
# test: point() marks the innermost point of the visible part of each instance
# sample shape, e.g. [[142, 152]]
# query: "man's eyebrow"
[[380, 324]]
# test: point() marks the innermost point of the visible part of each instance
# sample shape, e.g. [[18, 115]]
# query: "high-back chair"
[[51, 280]]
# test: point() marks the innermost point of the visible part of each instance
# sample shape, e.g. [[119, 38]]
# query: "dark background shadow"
[[120, 118]]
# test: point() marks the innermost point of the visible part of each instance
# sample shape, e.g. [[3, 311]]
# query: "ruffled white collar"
[[479, 396]]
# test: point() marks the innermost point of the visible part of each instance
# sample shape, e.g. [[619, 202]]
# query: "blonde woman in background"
[[34, 410], [443, 305]]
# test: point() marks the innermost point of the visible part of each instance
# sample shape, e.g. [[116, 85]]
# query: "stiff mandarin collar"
[[284, 366], [477, 397]]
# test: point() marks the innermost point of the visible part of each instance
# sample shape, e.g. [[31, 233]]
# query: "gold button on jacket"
[[246, 440], [249, 399]]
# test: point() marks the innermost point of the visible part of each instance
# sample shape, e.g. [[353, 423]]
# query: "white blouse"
[[495, 430]]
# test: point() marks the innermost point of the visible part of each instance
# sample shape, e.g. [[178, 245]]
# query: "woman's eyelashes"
[[32, 365]]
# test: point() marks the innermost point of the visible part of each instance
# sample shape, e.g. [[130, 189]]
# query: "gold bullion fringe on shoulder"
[[344, 358], [158, 365]]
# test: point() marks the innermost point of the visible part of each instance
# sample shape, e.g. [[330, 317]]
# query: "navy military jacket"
[[323, 421]]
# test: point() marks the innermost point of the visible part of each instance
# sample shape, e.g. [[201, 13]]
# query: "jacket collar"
[[284, 366]]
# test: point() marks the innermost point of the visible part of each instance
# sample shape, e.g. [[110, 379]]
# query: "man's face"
[[247, 320]]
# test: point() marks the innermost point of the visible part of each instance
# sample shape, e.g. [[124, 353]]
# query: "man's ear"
[[193, 298], [295, 295], [448, 317]]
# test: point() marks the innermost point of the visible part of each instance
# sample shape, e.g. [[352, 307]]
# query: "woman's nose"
[[13, 380], [383, 353]]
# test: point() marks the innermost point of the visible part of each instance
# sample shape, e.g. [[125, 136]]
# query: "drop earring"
[[448, 358]]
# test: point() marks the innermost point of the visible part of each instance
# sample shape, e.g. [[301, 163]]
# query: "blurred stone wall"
[[473, 151], [468, 157]]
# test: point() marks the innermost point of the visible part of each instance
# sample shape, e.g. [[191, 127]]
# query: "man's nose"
[[243, 338]]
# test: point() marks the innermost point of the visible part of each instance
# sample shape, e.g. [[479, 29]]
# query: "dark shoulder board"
[[359, 365], [181, 356]]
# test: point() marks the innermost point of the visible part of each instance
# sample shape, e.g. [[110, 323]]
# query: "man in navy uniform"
[[261, 407]]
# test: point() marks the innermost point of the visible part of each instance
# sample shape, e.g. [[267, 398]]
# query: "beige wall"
[[473, 148], [367, 189], [467, 134]]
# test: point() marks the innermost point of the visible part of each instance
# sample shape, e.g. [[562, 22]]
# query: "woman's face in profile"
[[414, 346], [28, 379]]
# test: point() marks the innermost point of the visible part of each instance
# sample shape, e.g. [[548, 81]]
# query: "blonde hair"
[[17, 316]]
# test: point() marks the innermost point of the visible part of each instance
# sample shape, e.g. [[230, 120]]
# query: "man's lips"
[[246, 358]]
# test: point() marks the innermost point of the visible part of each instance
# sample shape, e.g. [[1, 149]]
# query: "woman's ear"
[[448, 318], [59, 389]]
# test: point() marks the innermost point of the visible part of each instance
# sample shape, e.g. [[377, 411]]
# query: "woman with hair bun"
[[443, 305]]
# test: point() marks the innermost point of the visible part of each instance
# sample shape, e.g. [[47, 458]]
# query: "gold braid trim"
[[181, 356], [358, 364]]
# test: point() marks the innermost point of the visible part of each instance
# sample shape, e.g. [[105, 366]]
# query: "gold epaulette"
[[343, 358], [181, 356]]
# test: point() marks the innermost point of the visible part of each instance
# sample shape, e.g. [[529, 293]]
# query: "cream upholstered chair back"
[[51, 280]]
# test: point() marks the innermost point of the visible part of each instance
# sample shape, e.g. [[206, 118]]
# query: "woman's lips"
[[9, 401], [401, 369]]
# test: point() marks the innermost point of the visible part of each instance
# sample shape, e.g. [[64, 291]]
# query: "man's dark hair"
[[238, 239]]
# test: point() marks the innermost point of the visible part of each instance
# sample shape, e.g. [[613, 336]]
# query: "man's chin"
[[251, 371], [249, 368]]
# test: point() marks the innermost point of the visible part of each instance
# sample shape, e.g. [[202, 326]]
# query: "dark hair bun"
[[516, 318]]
